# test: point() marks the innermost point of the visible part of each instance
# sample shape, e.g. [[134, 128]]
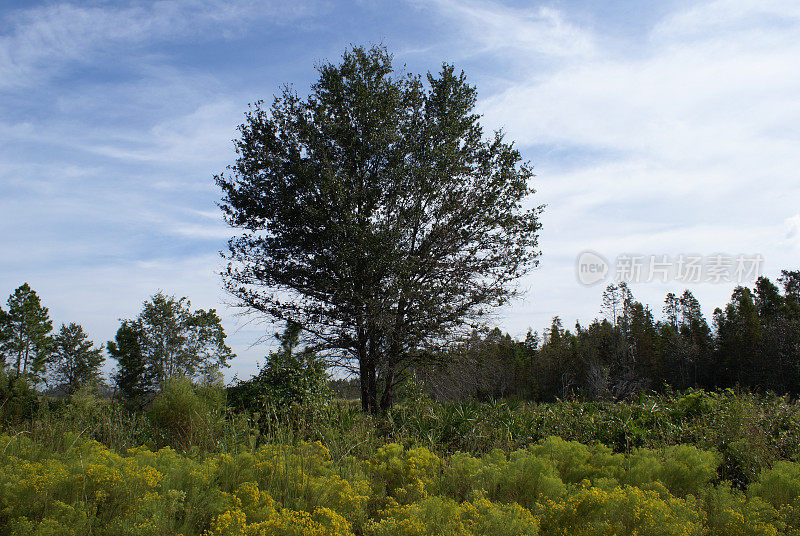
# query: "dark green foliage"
[[75, 361], [377, 215], [754, 344], [18, 399], [25, 340], [165, 341], [289, 377], [131, 376]]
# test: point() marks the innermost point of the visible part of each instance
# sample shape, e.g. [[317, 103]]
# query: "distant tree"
[[779, 344], [790, 280], [26, 342], [769, 302], [375, 214], [5, 337], [698, 342], [131, 377], [671, 309], [75, 361], [556, 367], [485, 366], [168, 340], [738, 333]]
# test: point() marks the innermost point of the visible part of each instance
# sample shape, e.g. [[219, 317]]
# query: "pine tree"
[[131, 375], [26, 342], [75, 361]]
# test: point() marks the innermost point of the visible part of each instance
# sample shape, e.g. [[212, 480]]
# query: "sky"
[[655, 128]]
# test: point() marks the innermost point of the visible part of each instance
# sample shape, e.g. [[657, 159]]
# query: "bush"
[[18, 400], [289, 378], [188, 416], [283, 489]]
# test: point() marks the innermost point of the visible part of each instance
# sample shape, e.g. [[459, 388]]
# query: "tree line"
[[167, 339], [753, 343]]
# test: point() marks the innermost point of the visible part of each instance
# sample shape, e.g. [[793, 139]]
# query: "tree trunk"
[[394, 358], [368, 377], [363, 364], [387, 397]]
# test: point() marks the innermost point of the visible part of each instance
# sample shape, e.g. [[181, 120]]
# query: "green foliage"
[[187, 416], [167, 340], [75, 362], [435, 516], [753, 345], [337, 471], [779, 485], [290, 377], [25, 341], [376, 213], [18, 399], [281, 489], [132, 376]]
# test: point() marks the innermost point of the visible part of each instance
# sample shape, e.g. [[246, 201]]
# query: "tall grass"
[[751, 431]]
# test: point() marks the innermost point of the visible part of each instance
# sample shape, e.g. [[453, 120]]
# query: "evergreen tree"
[[131, 375], [769, 302], [26, 342], [671, 309], [291, 375], [738, 330], [790, 280], [75, 361], [167, 340]]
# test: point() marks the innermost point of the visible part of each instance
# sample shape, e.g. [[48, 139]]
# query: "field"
[[695, 463]]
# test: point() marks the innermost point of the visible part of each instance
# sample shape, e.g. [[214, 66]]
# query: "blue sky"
[[655, 127]]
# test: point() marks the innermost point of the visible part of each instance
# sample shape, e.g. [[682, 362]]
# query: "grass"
[[679, 463]]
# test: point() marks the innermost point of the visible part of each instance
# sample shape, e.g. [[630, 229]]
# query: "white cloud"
[[496, 28], [693, 140], [793, 230], [724, 17], [42, 40], [202, 137]]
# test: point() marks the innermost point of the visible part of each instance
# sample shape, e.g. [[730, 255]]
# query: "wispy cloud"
[[688, 141], [496, 28], [44, 40]]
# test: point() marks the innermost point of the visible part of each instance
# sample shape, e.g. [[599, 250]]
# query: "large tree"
[[75, 361], [374, 213], [167, 339], [25, 341]]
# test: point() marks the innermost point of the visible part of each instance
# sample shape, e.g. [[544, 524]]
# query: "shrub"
[[621, 511], [780, 485], [187, 416], [436, 516], [290, 377]]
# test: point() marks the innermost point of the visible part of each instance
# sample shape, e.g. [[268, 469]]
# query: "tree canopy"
[[168, 339], [376, 214], [25, 333], [75, 361]]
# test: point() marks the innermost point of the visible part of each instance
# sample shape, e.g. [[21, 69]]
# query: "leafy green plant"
[[187, 416]]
